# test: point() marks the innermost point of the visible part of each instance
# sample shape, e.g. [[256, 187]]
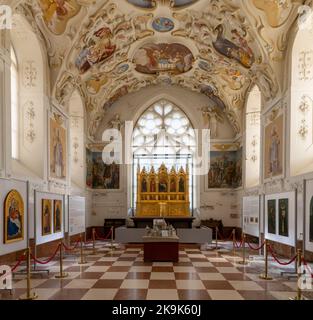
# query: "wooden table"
[[161, 248]]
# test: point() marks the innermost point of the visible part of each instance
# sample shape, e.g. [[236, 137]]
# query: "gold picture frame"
[[46, 227], [57, 216], [13, 217]]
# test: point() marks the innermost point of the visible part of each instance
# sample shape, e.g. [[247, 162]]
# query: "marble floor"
[[121, 274]]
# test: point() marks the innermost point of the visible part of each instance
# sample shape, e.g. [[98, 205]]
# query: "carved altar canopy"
[[162, 193]]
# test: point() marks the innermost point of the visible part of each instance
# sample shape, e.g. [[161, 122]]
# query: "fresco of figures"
[[153, 58], [210, 92], [58, 147], [57, 13], [235, 47], [13, 217], [273, 160], [103, 176], [225, 169], [98, 47]]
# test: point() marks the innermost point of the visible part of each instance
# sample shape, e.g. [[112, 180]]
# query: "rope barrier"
[[279, 262], [105, 238], [258, 248], [73, 248], [224, 239], [49, 259], [240, 244], [19, 261]]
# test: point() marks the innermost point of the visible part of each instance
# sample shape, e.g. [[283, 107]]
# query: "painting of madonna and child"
[[225, 169], [13, 217]]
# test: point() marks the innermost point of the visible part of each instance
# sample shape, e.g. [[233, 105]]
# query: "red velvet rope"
[[307, 267], [240, 244], [19, 261], [71, 249], [279, 262], [258, 248], [222, 238], [49, 259]]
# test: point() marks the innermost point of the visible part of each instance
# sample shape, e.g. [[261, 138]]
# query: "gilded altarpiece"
[[162, 193]]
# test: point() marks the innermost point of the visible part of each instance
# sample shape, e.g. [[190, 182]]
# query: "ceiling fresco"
[[107, 49]]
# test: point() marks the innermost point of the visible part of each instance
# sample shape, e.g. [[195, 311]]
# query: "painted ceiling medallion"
[[154, 58], [163, 24]]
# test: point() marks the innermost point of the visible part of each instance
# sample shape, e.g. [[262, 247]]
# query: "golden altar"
[[162, 193]]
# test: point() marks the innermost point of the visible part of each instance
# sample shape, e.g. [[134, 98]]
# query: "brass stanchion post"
[[265, 276], [112, 239], [29, 294], [234, 242], [82, 260], [299, 290], [62, 274], [94, 241], [244, 262]]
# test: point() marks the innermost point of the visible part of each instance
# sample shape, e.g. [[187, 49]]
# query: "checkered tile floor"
[[122, 274]]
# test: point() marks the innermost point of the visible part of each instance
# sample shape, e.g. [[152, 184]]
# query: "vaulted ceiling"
[[107, 49]]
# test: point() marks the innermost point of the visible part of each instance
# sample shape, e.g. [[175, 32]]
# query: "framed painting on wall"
[[283, 211], [271, 216], [57, 216], [225, 170], [57, 146], [274, 143], [281, 217], [13, 217], [46, 216]]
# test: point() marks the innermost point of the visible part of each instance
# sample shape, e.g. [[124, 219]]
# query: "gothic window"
[[164, 135], [163, 129]]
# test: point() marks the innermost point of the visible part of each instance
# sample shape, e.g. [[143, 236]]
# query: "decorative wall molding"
[[29, 74], [29, 122]]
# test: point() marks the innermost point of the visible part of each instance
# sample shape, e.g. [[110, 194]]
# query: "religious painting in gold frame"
[[57, 216], [13, 217], [46, 214]]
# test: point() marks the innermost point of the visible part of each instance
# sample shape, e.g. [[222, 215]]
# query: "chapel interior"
[[156, 149]]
